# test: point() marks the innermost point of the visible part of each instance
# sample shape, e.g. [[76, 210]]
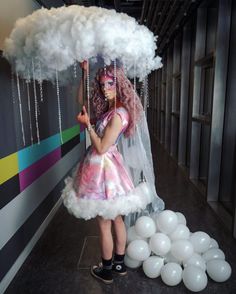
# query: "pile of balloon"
[[164, 246]]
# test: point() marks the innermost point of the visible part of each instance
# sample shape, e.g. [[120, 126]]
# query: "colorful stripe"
[[8, 167], [25, 160], [31, 154], [82, 136], [70, 133], [30, 174]]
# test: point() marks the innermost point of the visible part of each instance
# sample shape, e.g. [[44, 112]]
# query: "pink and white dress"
[[102, 185]]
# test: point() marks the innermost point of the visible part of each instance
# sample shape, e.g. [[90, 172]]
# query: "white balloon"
[[154, 216], [201, 241], [214, 253], [170, 258], [152, 266], [132, 235], [171, 274], [145, 226], [213, 244], [219, 270], [138, 250], [181, 218], [196, 260], [194, 278], [181, 232], [131, 263], [160, 244], [182, 249], [167, 221]]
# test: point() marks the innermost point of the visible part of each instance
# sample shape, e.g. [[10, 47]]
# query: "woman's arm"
[[111, 132]]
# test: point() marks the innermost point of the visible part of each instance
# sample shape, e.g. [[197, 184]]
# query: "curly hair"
[[125, 93]]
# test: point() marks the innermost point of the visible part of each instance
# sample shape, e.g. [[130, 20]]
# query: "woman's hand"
[[83, 117]]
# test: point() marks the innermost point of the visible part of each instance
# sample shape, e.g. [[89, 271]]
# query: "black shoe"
[[100, 272], [119, 267]]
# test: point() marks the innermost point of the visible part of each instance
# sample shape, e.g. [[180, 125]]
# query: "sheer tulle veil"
[[137, 155]]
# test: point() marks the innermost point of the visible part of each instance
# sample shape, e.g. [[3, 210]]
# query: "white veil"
[[137, 156]]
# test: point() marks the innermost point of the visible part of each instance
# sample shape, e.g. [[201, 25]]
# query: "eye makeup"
[[108, 84]]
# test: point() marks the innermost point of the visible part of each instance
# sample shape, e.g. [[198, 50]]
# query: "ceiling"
[[162, 17]]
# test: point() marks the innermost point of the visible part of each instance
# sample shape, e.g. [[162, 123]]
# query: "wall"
[[33, 165], [10, 11]]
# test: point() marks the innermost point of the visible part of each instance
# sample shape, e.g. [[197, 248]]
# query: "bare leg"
[[106, 241], [120, 233], [103, 271]]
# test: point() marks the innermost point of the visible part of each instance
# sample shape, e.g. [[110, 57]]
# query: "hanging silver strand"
[[87, 86], [29, 110], [59, 106], [134, 88], [115, 78], [146, 91], [105, 69], [75, 69], [13, 87], [35, 104], [125, 68], [142, 92], [40, 82], [20, 106]]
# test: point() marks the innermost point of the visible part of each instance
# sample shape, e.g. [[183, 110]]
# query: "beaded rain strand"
[[20, 106], [134, 88], [59, 106], [13, 87], [35, 104], [125, 68], [29, 110], [40, 82], [146, 92], [87, 86], [75, 69], [115, 78]]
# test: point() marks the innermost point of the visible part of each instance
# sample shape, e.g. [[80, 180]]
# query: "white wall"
[[10, 11]]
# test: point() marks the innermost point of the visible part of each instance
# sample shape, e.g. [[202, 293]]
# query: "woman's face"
[[108, 87]]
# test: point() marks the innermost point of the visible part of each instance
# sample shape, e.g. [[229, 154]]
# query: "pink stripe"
[[82, 127], [31, 173]]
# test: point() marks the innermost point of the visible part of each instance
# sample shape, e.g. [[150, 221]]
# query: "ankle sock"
[[107, 263], [119, 258]]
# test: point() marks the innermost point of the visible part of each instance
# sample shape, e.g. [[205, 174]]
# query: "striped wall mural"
[[22, 168], [31, 183], [31, 174]]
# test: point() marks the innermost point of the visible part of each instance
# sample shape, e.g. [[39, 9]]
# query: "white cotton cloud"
[[54, 39]]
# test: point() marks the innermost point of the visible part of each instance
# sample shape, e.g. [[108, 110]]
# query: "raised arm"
[[111, 132]]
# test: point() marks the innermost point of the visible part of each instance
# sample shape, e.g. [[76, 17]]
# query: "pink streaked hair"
[[125, 95]]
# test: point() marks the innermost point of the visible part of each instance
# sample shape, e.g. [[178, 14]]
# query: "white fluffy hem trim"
[[134, 201]]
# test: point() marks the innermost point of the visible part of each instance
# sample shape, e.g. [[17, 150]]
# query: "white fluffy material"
[[58, 37], [134, 201]]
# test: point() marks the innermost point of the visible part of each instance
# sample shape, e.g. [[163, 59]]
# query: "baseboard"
[[25, 253]]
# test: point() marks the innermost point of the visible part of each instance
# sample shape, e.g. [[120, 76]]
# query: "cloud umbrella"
[[53, 40]]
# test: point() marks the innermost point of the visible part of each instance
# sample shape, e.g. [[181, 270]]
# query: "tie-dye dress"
[[102, 185]]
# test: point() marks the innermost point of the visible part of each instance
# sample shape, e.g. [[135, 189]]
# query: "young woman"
[[102, 187]]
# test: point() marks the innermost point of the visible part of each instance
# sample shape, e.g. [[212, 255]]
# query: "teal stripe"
[[82, 136], [31, 154]]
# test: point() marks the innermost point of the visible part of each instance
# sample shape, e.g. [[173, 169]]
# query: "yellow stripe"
[[8, 167]]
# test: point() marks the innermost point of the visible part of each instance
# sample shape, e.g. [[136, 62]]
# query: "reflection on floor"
[[60, 261]]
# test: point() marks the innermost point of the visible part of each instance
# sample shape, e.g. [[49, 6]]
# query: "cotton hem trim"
[[136, 200]]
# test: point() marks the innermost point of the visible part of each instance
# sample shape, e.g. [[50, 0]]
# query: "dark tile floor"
[[60, 261]]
